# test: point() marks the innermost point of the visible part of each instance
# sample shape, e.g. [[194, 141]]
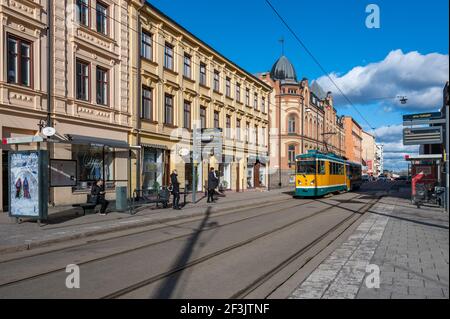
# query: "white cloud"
[[394, 150], [389, 133], [419, 77]]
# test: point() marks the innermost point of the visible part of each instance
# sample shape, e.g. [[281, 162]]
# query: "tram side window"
[[321, 168], [306, 167], [336, 169], [332, 168]]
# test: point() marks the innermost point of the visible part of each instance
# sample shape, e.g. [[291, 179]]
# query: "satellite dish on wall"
[[48, 131]]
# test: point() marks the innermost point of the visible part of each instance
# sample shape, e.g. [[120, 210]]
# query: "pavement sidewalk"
[[68, 226], [409, 247]]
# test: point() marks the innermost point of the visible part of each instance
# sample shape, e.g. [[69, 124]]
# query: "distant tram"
[[318, 174]]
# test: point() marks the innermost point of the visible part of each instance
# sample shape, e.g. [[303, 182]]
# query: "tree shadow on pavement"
[[170, 283]]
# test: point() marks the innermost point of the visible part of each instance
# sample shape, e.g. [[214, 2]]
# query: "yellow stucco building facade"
[[179, 83]]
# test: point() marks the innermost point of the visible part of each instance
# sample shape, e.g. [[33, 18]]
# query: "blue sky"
[[407, 55]]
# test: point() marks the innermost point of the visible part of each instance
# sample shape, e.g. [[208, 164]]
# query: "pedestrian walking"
[[213, 182], [175, 189], [98, 196]]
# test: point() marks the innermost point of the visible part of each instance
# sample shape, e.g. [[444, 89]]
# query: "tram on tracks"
[[318, 174]]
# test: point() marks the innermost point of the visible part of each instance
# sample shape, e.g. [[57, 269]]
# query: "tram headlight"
[[312, 182]]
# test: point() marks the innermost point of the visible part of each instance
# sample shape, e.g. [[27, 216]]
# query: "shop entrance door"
[[256, 174]]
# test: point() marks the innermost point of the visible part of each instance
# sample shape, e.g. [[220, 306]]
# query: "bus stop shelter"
[[32, 173]]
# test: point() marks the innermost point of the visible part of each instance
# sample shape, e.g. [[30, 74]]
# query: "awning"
[[158, 146], [263, 159], [97, 141]]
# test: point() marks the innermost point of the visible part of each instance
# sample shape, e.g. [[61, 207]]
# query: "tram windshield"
[[306, 167]]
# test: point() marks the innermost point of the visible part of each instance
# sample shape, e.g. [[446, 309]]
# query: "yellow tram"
[[318, 174]]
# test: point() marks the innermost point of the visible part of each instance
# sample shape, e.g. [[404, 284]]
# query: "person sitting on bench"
[[98, 196]]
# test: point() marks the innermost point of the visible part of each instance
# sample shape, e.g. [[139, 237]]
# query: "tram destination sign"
[[422, 135], [423, 118]]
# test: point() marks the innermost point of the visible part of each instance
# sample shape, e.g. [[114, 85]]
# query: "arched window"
[[291, 124], [310, 128], [291, 154]]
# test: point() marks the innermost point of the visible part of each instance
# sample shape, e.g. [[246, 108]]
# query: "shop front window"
[[225, 175], [93, 163], [262, 176], [250, 176], [153, 168]]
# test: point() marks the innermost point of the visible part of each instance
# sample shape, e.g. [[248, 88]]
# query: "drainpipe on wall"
[[49, 62], [51, 197], [139, 94]]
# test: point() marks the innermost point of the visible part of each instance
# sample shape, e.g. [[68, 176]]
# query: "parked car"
[[382, 178], [365, 178]]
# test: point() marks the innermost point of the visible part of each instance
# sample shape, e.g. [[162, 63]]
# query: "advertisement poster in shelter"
[[25, 184]]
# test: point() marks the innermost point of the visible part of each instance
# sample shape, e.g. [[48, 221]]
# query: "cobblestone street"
[[409, 245]]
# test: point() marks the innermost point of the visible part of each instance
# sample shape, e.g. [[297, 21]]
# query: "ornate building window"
[[102, 18], [202, 74], [291, 124], [168, 56], [102, 86], [216, 85], [83, 12], [168, 114], [19, 61], [146, 45], [82, 81], [202, 117], [187, 115], [228, 127], [238, 129], [216, 119], [238, 92], [187, 66], [147, 103], [228, 87]]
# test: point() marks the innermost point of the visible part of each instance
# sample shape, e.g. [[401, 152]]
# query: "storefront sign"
[[28, 184]]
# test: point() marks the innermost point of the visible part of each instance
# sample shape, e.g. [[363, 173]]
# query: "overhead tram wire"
[[318, 63]]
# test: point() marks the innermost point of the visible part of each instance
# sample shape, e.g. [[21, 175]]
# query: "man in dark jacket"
[[175, 189], [98, 196], [213, 181]]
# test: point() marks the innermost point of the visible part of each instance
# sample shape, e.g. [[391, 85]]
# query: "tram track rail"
[[55, 270], [153, 226], [153, 279], [301, 252]]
